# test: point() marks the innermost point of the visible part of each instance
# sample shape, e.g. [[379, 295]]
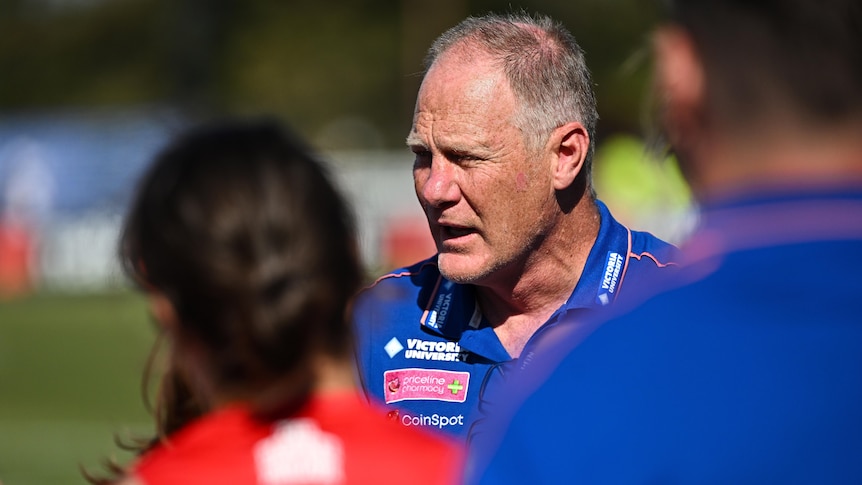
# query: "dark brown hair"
[[239, 226]]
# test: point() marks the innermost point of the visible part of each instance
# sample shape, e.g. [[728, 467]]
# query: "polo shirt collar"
[[452, 310], [605, 268]]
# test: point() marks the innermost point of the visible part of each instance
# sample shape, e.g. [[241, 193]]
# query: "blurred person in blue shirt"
[[746, 367]]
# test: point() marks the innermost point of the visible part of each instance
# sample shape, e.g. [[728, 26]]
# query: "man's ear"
[[570, 145], [680, 83]]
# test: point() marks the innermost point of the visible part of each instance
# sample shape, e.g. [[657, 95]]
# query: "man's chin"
[[461, 268]]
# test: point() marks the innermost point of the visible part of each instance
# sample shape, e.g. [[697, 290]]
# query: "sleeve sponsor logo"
[[425, 384], [610, 278]]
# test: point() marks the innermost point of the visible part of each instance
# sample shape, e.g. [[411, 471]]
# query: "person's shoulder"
[[660, 252], [177, 465], [424, 269], [391, 303], [643, 246], [650, 264], [207, 450], [401, 283]]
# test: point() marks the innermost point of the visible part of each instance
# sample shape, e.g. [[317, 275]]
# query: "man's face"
[[488, 201]]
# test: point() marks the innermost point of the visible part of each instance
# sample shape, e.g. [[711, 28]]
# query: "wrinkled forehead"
[[444, 97], [468, 83]]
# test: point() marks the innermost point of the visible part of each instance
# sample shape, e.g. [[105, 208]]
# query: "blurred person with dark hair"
[[747, 366], [503, 135], [248, 255]]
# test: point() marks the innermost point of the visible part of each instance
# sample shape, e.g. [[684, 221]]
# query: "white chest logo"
[[298, 451]]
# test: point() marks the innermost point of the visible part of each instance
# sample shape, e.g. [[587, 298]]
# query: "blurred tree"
[[421, 23], [196, 37], [317, 62], [53, 55], [346, 73]]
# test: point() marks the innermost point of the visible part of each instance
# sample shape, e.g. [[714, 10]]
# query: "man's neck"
[[520, 304]]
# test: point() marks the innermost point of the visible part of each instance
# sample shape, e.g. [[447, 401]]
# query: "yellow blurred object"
[[642, 192]]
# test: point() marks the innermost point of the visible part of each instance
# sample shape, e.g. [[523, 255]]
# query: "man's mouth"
[[453, 232]]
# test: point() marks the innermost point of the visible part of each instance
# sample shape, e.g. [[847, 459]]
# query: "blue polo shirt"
[[424, 348], [747, 368]]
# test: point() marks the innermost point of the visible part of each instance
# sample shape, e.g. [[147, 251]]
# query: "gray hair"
[[545, 68]]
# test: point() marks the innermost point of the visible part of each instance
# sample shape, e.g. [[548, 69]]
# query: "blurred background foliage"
[[345, 73]]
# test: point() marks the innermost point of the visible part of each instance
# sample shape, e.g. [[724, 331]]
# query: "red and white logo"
[[425, 384]]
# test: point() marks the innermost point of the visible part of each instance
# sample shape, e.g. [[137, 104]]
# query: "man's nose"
[[439, 186]]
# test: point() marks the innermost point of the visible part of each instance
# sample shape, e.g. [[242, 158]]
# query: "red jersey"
[[333, 439]]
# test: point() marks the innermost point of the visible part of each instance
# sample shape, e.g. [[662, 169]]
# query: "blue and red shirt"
[[426, 351]]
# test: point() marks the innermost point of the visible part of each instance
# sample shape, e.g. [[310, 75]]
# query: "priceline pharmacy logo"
[[425, 384]]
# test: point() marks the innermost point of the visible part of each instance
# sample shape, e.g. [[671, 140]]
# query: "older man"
[[503, 137], [748, 368]]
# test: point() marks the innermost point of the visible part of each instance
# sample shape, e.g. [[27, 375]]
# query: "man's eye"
[[422, 158], [460, 157]]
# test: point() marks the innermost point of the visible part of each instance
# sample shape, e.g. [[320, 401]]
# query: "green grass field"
[[70, 379]]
